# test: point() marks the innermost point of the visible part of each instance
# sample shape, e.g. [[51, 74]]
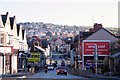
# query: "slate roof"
[[18, 29], [23, 34], [68, 41], [105, 30], [12, 22], [4, 18], [85, 35]]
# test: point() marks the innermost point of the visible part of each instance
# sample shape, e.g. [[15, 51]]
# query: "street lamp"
[[96, 57], [69, 40], [72, 57]]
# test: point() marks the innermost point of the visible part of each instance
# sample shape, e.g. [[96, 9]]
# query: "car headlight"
[[58, 71], [65, 70]]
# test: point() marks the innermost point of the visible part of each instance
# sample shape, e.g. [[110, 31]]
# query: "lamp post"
[[96, 58], [72, 57], [69, 40]]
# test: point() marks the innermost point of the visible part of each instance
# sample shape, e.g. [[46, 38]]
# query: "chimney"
[[97, 26], [7, 13]]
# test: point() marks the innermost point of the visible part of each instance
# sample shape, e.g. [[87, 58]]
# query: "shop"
[[14, 61], [8, 60], [21, 60]]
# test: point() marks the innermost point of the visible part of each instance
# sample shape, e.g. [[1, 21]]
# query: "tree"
[[49, 34], [44, 26], [55, 33]]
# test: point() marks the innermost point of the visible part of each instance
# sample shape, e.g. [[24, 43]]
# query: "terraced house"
[[13, 44]]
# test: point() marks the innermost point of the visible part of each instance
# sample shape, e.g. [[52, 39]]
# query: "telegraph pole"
[[79, 46]]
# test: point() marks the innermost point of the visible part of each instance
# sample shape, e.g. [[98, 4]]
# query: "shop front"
[[8, 60], [14, 61]]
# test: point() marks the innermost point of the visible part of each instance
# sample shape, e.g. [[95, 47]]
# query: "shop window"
[[2, 36]]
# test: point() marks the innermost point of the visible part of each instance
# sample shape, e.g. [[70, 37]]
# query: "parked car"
[[61, 70], [54, 64], [50, 67]]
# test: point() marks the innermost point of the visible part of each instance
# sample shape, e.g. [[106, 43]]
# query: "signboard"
[[102, 47], [34, 57], [5, 50]]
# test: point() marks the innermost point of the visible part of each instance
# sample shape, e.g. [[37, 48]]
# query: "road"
[[53, 73]]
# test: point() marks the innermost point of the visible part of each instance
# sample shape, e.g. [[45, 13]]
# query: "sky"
[[63, 12]]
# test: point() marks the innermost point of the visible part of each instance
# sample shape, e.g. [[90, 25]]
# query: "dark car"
[[54, 64], [61, 70], [63, 63]]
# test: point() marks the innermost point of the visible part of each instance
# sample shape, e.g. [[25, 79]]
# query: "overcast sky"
[[65, 12]]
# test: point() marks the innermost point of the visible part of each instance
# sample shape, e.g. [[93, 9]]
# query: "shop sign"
[[5, 50]]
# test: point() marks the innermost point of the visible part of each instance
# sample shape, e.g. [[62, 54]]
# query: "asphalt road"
[[53, 73]]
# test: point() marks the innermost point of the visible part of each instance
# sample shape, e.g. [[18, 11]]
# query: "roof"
[[4, 18], [83, 35], [18, 29], [68, 40], [23, 31], [105, 30], [1, 22], [116, 54], [98, 30], [12, 22]]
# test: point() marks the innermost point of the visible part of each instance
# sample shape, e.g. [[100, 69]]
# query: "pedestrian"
[[29, 67], [45, 68]]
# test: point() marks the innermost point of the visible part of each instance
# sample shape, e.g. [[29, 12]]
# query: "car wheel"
[[57, 73]]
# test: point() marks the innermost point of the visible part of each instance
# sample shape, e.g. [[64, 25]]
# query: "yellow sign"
[[34, 57]]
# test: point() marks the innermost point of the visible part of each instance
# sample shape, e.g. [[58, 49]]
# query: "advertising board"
[[102, 47], [34, 57], [5, 49]]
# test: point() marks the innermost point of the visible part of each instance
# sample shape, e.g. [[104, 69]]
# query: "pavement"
[[89, 74], [78, 72], [19, 74]]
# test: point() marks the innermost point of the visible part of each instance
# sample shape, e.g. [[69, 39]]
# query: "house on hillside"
[[57, 44]]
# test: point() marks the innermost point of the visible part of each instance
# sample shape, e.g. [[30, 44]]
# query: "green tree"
[[44, 26], [49, 34]]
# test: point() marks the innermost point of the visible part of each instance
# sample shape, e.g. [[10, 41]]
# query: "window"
[[2, 38]]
